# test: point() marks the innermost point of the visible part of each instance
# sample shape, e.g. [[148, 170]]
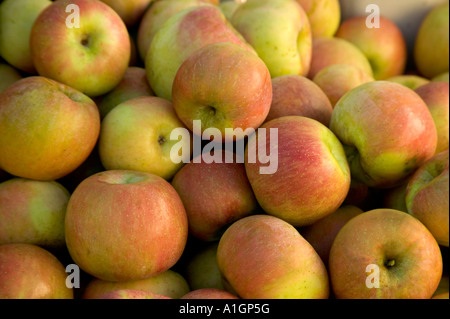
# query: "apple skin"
[[431, 47], [385, 47], [443, 77], [179, 37], [229, 7], [322, 233], [31, 272], [436, 97], [93, 58], [132, 294], [47, 129], [442, 290], [130, 11], [169, 283], [16, 20], [130, 214], [330, 51], [8, 76], [197, 183], [409, 80], [313, 176], [280, 33], [135, 135], [390, 236], [427, 196], [154, 18], [33, 212], [209, 293], [201, 270], [264, 257], [199, 89], [323, 15], [298, 95], [133, 84], [337, 79], [395, 198], [367, 119]]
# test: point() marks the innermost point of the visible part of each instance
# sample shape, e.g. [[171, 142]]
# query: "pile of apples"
[[93, 204]]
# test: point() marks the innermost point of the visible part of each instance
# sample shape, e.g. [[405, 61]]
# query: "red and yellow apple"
[[132, 294], [209, 293], [323, 15], [131, 11]]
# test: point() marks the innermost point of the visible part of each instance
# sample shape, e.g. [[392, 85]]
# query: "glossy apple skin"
[[8, 76], [408, 257], [384, 47], [130, 214], [323, 15], [132, 294], [92, 58], [427, 196], [279, 31], [431, 47], [436, 97], [313, 176], [182, 35], [337, 79], [31, 272], [169, 283], [135, 135], [322, 233], [33, 212], [387, 130], [298, 95], [209, 293], [199, 89], [47, 129], [330, 51], [262, 256]]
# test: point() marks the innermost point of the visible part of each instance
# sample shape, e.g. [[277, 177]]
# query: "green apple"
[[179, 37], [92, 56], [443, 77], [387, 131], [136, 135], [229, 7], [264, 257], [324, 16], [279, 31], [395, 198], [33, 212], [384, 254], [16, 20], [8, 75], [427, 196], [409, 80], [431, 48]]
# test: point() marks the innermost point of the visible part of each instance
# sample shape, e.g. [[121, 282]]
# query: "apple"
[[395, 198], [132, 294], [16, 20], [214, 196], [169, 283], [427, 196], [313, 176], [337, 79], [136, 135], [358, 194], [388, 244], [431, 47], [30, 272], [387, 132], [443, 77], [436, 96], [33, 212], [225, 87], [329, 51], [133, 84], [131, 11], [298, 95], [201, 269], [384, 46], [155, 17], [442, 289], [209, 293], [131, 214], [324, 16], [280, 33], [8, 76], [229, 7], [264, 257], [91, 57], [47, 129], [411, 81], [182, 35], [322, 233]]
